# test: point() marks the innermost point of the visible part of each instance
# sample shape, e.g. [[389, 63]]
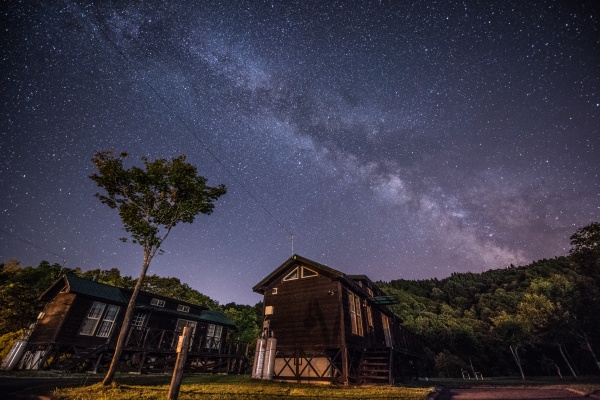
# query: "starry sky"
[[396, 139]]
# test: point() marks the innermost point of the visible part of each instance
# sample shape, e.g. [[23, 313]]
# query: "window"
[[102, 317], [292, 275], [369, 315], [93, 317], [157, 302], [108, 321], [183, 308], [181, 323], [308, 273], [139, 320], [300, 272], [213, 336], [355, 314]]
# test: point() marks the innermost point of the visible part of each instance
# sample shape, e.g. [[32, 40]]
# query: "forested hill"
[[548, 312]]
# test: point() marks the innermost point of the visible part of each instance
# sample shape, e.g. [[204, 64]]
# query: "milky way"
[[394, 139]]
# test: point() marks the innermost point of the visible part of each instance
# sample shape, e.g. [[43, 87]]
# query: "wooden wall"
[[307, 313], [56, 311]]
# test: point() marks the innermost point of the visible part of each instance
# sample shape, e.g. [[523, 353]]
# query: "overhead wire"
[[64, 259], [171, 109]]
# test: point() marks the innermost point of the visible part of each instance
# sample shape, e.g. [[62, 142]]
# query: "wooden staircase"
[[375, 367]]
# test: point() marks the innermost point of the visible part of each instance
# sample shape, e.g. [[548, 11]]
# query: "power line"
[[180, 119], [64, 259]]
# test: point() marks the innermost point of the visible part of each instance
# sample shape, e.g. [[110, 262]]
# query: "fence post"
[[182, 351]]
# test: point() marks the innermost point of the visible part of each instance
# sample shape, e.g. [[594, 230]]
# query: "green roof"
[[215, 317], [95, 289]]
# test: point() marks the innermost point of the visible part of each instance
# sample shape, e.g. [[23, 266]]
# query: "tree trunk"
[[110, 374], [562, 353], [588, 345], [515, 353]]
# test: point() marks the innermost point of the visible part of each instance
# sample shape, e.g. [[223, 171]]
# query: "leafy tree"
[[20, 288], [586, 250], [173, 288], [151, 201]]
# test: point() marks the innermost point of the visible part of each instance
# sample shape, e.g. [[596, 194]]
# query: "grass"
[[225, 387]]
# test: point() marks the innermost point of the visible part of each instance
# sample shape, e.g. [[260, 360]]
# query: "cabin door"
[[387, 333]]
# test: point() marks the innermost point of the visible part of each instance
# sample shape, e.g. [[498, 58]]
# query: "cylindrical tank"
[[270, 358], [14, 355], [259, 358]]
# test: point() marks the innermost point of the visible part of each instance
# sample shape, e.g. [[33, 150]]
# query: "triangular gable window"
[[292, 275], [308, 273]]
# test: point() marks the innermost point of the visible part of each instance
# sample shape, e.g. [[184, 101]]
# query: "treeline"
[[21, 286], [538, 319]]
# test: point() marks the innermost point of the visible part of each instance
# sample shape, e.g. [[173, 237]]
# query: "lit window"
[[183, 308], [292, 275], [157, 302]]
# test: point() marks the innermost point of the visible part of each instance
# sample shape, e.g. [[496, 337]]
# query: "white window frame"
[[183, 308], [214, 332], [89, 325], [108, 322], [157, 302], [292, 276], [304, 275], [182, 323], [139, 320]]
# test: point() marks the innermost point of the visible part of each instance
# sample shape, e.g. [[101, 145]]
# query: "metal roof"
[[95, 289], [215, 317]]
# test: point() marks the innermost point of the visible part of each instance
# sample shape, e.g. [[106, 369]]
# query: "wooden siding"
[[306, 312], [56, 311], [74, 319]]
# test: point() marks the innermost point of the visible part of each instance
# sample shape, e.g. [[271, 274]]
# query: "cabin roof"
[[95, 289], [215, 317], [325, 270], [74, 284]]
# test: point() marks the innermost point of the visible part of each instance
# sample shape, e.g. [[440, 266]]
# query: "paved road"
[[507, 394]]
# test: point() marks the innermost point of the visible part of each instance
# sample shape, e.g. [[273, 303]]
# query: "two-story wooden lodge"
[[79, 326], [334, 327]]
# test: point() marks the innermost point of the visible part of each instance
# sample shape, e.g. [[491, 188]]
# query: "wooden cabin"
[[333, 327], [80, 323]]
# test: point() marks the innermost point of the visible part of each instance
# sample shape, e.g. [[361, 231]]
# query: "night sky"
[[397, 139]]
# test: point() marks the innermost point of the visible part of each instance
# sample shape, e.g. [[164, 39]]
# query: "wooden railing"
[[152, 339]]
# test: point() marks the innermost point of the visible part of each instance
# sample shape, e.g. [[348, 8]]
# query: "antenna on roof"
[[292, 238]]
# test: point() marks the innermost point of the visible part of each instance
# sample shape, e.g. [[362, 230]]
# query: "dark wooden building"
[[79, 326], [335, 327]]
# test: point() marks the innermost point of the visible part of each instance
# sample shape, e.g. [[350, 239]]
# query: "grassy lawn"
[[223, 387]]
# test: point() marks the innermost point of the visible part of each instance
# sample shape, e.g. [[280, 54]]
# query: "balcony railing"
[[153, 339]]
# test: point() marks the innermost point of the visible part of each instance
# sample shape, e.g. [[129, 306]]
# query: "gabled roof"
[[74, 284], [296, 259], [114, 294]]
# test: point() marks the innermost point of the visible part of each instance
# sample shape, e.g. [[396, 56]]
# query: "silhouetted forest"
[[537, 319]]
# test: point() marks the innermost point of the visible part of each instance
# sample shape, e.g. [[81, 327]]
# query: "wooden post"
[[182, 350]]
